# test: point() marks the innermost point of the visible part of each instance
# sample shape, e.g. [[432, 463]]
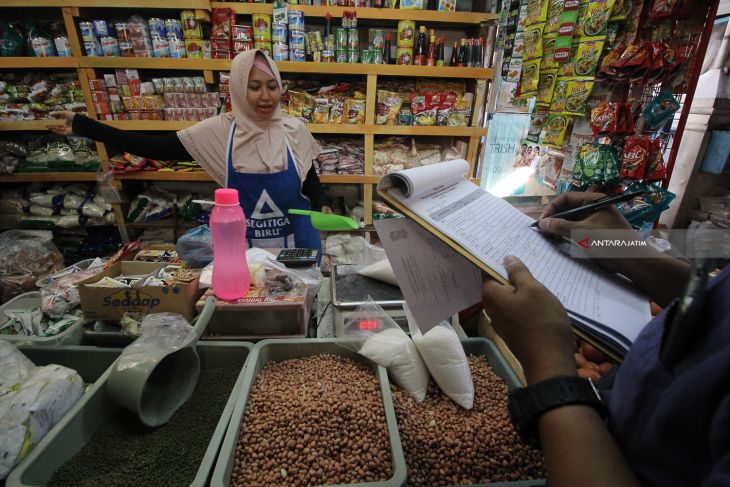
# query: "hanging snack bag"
[[572, 11], [552, 18], [536, 11], [655, 170], [635, 158], [606, 69], [537, 122], [555, 128], [571, 95], [388, 107], [591, 163], [605, 119], [584, 58], [533, 42], [619, 11], [626, 126], [595, 18], [545, 87], [548, 53], [530, 78], [661, 109]]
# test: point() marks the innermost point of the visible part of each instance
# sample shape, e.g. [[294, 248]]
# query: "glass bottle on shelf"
[[419, 55], [454, 54]]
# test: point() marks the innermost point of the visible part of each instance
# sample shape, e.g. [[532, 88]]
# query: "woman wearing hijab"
[[264, 154]]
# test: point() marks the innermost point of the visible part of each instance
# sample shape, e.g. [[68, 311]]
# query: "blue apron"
[[266, 200]]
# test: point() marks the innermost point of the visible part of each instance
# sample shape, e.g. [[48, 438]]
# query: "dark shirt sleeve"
[[313, 190], [163, 147]]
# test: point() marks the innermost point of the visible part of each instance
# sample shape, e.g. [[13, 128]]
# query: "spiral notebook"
[[605, 308]]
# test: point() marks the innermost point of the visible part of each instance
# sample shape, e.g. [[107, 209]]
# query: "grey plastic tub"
[[73, 335], [72, 433], [283, 349], [48, 280]]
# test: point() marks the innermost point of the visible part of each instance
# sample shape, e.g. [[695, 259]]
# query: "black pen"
[[598, 204]]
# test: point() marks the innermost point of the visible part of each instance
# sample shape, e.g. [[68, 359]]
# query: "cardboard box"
[[103, 303]]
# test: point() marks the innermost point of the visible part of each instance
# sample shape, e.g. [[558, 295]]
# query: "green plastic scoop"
[[328, 222], [155, 389]]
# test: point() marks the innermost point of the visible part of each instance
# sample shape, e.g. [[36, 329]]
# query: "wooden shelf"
[[394, 14], [26, 125], [38, 62], [289, 67], [348, 179], [164, 176], [47, 177], [180, 4], [141, 125], [429, 131]]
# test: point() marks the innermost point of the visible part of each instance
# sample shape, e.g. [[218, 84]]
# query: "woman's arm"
[[164, 147], [312, 189]]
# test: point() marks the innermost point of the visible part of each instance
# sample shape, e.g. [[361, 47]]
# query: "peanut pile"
[[313, 421], [447, 445]]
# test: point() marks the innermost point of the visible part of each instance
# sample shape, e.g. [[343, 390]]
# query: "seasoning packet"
[[555, 128], [537, 122], [533, 41], [661, 109], [530, 78], [388, 107], [536, 11], [518, 49], [552, 18], [584, 58], [424, 113], [545, 87], [605, 119], [572, 11], [595, 19], [548, 53], [619, 11], [635, 157], [571, 95]]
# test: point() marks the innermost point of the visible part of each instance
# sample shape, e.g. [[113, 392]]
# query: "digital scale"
[[350, 290]]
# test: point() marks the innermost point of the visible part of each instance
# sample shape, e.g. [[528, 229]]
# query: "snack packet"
[[555, 128], [388, 107], [545, 87], [635, 157], [530, 78], [570, 96]]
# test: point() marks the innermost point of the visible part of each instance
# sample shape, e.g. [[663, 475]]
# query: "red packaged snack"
[[223, 20], [657, 67], [634, 61], [605, 119], [655, 170], [636, 155], [606, 69], [626, 122]]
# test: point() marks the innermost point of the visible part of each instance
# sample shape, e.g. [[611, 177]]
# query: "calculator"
[[298, 257]]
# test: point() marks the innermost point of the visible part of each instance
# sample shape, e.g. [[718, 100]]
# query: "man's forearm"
[[659, 276]]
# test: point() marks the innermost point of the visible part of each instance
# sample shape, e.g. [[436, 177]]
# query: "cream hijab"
[[259, 145]]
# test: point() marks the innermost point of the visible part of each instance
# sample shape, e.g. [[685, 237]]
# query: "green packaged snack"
[[596, 164], [595, 19], [555, 128], [545, 87], [536, 11], [533, 41], [584, 58], [552, 20], [571, 95], [530, 78], [548, 53], [572, 12]]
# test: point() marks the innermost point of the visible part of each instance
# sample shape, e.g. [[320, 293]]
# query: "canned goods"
[[93, 48], [174, 27], [353, 39], [278, 32], [262, 28], [263, 46], [297, 55], [177, 47], [378, 39], [341, 56], [377, 56], [296, 20], [160, 47], [406, 33], [42, 46], [328, 56], [87, 31], [126, 49], [353, 56], [296, 39], [122, 31], [110, 46], [101, 29], [404, 55], [157, 27], [281, 51], [341, 39], [367, 56], [63, 46]]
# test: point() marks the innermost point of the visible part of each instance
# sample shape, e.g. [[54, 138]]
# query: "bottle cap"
[[387, 36], [442, 39], [226, 196]]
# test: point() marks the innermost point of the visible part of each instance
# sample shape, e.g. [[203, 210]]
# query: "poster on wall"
[[514, 165]]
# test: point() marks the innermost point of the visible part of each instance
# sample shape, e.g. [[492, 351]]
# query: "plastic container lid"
[[226, 196]]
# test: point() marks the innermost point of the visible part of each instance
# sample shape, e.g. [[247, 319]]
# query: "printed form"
[[490, 228]]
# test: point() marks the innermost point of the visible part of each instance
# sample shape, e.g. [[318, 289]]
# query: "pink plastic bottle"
[[231, 278]]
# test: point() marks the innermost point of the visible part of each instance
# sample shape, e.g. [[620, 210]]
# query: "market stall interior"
[[158, 345]]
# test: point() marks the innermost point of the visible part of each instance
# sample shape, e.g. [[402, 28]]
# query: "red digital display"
[[368, 324]]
